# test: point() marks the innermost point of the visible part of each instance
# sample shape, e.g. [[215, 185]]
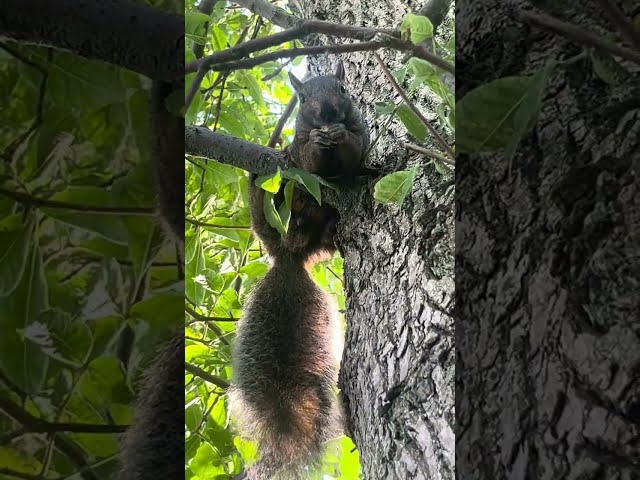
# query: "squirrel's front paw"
[[336, 132], [321, 138]]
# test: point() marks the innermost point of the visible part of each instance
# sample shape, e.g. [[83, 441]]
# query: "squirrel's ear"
[[297, 84], [340, 71]]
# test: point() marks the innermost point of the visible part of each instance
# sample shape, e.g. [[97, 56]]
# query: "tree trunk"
[[548, 344], [397, 373]]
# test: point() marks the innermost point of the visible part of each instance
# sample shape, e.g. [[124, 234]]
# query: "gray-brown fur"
[[154, 446], [285, 363], [287, 351], [330, 136]]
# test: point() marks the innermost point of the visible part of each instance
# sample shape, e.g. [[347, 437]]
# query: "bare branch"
[[428, 153], [275, 136], [579, 35], [198, 372], [202, 142], [296, 52], [124, 33], [445, 146], [628, 29], [27, 199]]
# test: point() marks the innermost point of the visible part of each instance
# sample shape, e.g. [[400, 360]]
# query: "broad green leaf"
[[284, 210], [61, 337], [270, 183], [310, 181], [384, 108], [108, 225], [254, 89], [394, 188], [194, 21], [22, 362], [160, 311], [416, 28], [607, 68], [205, 463], [421, 68], [412, 122], [14, 250], [497, 115], [16, 461], [193, 288], [271, 214]]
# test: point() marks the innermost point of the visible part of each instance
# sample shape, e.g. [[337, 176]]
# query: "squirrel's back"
[[286, 361]]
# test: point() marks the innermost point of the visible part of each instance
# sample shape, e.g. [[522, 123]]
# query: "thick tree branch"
[[198, 372], [202, 142], [121, 32]]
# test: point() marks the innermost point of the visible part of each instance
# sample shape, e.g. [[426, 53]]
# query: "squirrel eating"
[[288, 347]]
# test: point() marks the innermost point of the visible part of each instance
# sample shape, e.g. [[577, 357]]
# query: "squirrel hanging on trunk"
[[289, 341]]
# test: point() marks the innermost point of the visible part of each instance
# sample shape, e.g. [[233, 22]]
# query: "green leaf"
[[22, 362], [271, 214], [194, 267], [254, 88], [108, 225], [412, 122], [607, 68], [310, 181], [61, 337], [14, 250], [394, 188], [284, 210], [160, 311], [193, 22], [416, 28], [497, 115], [384, 108], [270, 183]]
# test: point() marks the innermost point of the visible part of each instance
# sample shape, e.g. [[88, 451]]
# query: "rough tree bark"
[[547, 330], [397, 373]]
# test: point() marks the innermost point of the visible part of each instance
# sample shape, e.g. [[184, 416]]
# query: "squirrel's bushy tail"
[[286, 361]]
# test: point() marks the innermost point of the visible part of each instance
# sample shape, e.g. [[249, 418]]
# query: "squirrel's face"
[[323, 101]]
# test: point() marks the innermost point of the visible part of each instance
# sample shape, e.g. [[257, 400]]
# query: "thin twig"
[[627, 29], [27, 199], [296, 52], [275, 136], [193, 221], [392, 37], [195, 85], [579, 35], [445, 146], [198, 372], [428, 153], [216, 329], [224, 75], [277, 71]]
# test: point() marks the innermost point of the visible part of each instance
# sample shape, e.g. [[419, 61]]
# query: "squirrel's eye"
[[302, 97], [342, 89]]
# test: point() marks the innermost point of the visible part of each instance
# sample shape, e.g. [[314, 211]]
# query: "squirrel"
[[288, 347]]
